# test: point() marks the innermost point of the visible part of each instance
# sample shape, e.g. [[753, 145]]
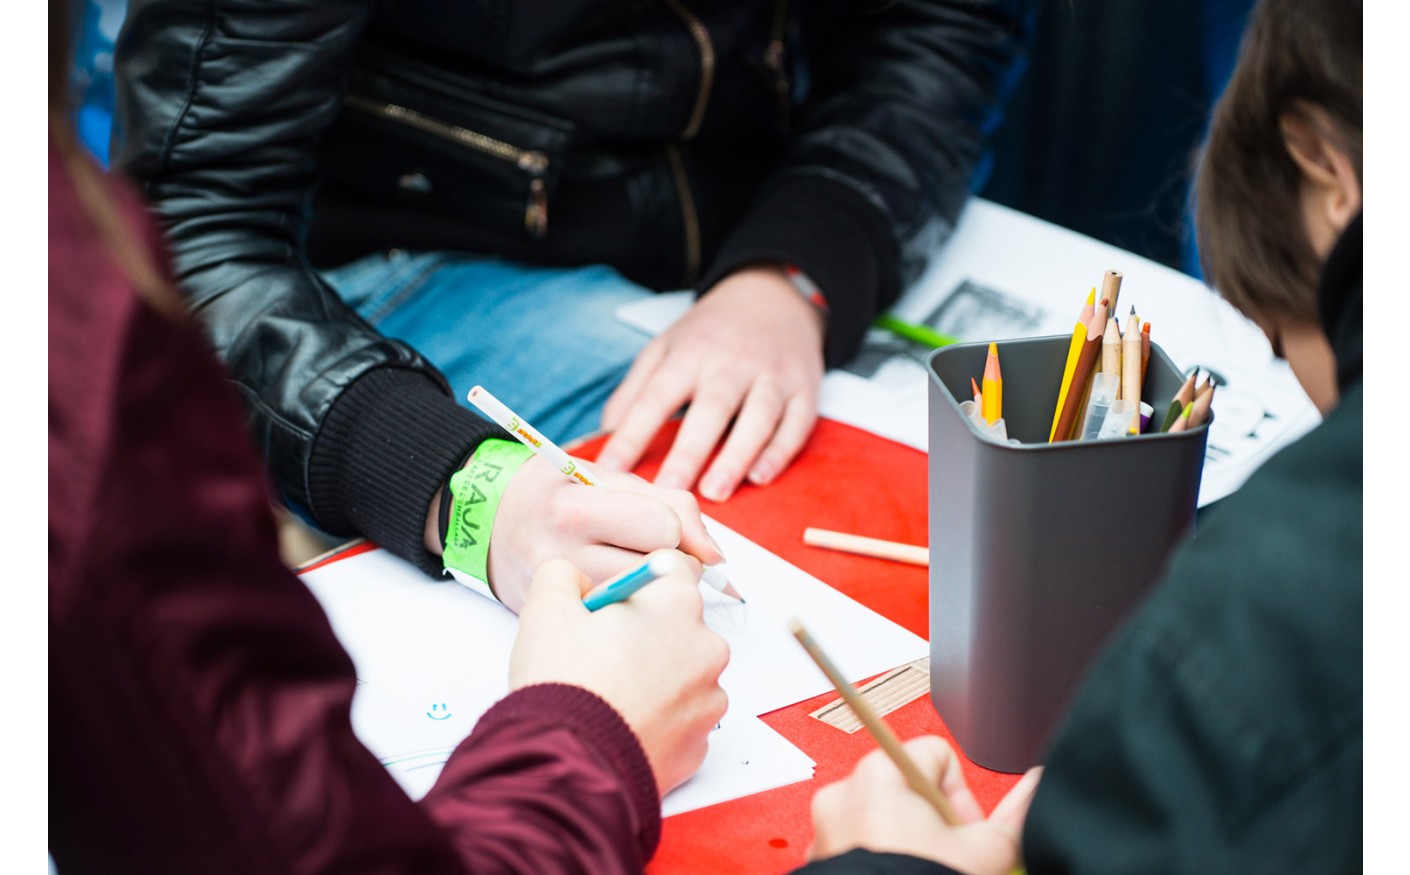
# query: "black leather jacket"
[[675, 142]]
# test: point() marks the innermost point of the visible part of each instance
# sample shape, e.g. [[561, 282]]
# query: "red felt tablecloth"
[[848, 480]]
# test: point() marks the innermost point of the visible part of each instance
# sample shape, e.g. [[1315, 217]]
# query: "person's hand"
[[749, 351], [874, 808], [600, 529], [651, 657]]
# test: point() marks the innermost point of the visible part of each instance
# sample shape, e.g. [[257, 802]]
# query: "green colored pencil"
[[1176, 408], [917, 333]]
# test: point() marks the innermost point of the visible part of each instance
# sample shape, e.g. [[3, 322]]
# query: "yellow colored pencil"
[[993, 387], [1074, 352]]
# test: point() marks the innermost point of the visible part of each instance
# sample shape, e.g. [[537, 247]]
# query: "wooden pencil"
[[1111, 289], [1145, 349], [864, 546], [1199, 408], [1111, 350], [878, 728], [1131, 359]]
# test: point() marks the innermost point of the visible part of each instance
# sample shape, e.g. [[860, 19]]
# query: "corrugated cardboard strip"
[[885, 694]]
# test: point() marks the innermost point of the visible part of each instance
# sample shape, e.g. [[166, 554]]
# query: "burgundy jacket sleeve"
[[198, 700]]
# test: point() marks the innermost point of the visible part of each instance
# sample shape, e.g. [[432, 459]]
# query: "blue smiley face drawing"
[[439, 711]]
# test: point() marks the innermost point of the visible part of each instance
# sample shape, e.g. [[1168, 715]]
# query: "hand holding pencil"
[[911, 798], [651, 656], [546, 513]]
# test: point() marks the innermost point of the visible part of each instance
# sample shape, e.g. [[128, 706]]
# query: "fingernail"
[[611, 461], [762, 474], [715, 488], [716, 545], [670, 480]]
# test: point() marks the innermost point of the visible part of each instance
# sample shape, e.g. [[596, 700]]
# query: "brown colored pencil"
[[1082, 374]]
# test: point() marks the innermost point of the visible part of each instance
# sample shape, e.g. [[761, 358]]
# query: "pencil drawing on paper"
[[970, 312], [723, 614]]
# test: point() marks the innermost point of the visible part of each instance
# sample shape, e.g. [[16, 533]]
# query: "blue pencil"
[[623, 585]]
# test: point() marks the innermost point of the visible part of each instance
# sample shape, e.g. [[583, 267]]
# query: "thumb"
[[557, 581], [938, 761], [1012, 810]]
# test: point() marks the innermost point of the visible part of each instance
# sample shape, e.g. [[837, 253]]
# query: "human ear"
[[1331, 188]]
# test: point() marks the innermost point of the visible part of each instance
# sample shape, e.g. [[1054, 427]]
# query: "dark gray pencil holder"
[[1038, 550]]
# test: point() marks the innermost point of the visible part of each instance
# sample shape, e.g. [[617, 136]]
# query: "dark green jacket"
[[1221, 731]]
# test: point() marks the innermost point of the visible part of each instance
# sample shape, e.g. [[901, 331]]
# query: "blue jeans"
[[545, 341]]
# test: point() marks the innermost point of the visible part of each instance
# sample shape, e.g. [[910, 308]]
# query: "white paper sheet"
[[745, 757], [1004, 274], [768, 668], [431, 657]]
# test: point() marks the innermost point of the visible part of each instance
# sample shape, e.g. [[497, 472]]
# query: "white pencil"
[[554, 455], [527, 434]]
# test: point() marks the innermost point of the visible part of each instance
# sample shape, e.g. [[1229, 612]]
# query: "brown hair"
[[132, 257], [1253, 243]]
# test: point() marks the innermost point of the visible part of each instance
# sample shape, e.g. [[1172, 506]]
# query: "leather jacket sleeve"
[[222, 105], [220, 108], [898, 101]]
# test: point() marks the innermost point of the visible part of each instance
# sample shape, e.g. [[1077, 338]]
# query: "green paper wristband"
[[476, 491]]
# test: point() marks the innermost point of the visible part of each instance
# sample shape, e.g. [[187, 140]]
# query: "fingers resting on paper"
[[876, 809], [651, 657], [747, 360], [600, 529]]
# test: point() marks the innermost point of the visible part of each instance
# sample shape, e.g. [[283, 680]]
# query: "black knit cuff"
[[592, 718], [835, 236], [863, 862], [390, 441]]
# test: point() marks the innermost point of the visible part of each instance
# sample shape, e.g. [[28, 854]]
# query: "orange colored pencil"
[[1145, 349]]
